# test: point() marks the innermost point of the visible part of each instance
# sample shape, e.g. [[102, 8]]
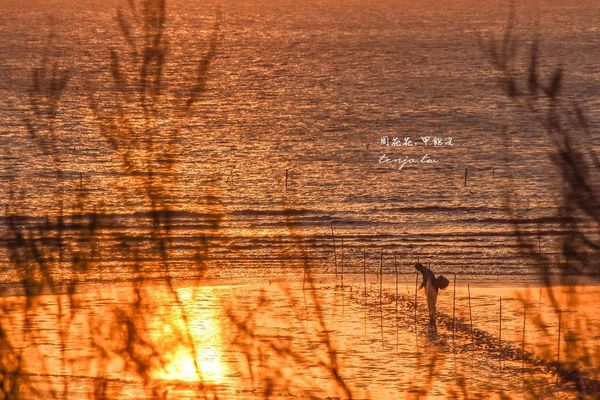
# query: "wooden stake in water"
[[365, 283], [470, 312], [500, 331], [396, 267], [303, 278], [466, 174], [539, 240], [381, 322], [60, 230], [397, 293], [381, 277], [416, 289], [365, 272], [558, 345], [342, 262], [523, 342], [334, 252], [381, 295], [454, 309]]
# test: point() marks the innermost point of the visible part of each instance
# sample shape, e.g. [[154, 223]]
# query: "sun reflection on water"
[[202, 310]]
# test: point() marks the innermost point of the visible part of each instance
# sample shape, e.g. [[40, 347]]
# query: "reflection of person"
[[432, 285]]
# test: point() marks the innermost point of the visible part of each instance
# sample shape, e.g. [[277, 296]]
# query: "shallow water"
[[381, 352], [308, 88]]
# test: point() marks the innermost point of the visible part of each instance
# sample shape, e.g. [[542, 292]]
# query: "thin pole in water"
[[466, 175], [381, 323], [470, 313], [303, 277], [397, 337], [334, 253], [365, 272], [60, 228], [381, 277], [558, 346], [380, 295], [539, 240], [416, 289], [365, 283], [396, 267], [454, 309], [342, 263], [500, 332], [523, 342]]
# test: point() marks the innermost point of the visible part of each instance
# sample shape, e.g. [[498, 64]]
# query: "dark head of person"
[[439, 282]]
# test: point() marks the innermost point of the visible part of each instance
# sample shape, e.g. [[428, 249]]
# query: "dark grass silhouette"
[[575, 158], [57, 255], [268, 356]]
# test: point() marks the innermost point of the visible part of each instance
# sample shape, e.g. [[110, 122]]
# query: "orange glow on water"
[[205, 341]]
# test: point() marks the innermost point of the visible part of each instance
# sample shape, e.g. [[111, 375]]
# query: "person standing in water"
[[432, 285]]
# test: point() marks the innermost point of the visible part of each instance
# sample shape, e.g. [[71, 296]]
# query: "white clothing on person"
[[432, 285], [431, 292]]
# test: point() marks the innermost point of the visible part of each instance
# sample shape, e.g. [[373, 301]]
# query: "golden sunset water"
[[226, 200], [309, 89], [381, 350]]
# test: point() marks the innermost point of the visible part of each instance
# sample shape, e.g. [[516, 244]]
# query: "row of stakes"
[[380, 279]]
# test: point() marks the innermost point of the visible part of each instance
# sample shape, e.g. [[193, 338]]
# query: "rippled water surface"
[[301, 93], [383, 351], [277, 173]]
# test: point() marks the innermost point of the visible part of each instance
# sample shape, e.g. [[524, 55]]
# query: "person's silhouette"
[[432, 285]]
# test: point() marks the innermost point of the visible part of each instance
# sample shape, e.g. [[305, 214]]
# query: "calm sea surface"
[[301, 93]]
